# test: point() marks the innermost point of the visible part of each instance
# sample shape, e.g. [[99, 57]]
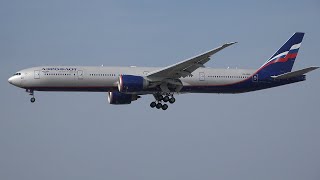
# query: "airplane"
[[127, 84]]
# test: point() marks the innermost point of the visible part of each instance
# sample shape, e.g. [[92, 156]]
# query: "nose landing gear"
[[159, 98], [31, 93]]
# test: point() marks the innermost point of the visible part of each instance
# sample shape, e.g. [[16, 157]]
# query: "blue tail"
[[282, 61]]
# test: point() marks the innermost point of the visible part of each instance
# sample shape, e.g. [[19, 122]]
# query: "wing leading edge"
[[186, 67]]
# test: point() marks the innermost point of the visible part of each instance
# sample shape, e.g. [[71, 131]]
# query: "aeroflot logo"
[[59, 69]]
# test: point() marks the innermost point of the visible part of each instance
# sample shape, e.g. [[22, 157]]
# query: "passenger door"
[[255, 78], [80, 74], [202, 76], [36, 74]]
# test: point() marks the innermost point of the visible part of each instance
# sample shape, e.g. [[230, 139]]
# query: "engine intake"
[[120, 98], [131, 83]]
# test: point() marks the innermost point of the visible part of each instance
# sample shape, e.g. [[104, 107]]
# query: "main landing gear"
[[158, 102], [31, 93]]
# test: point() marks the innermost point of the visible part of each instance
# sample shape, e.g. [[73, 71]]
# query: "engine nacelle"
[[131, 83], [120, 98]]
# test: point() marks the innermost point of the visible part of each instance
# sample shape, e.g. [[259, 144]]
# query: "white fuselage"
[[88, 78]]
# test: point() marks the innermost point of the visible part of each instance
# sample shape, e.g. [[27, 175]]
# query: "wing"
[[186, 67]]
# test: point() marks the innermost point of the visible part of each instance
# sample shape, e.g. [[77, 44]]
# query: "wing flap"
[[295, 73]]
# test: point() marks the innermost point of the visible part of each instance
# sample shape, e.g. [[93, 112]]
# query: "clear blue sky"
[[270, 134]]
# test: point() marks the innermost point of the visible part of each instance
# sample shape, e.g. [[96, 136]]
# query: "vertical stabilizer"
[[282, 61]]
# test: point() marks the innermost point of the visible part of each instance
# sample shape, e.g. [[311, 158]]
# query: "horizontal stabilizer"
[[294, 73]]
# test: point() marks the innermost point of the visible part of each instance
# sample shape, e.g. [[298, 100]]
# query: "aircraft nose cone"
[[14, 81], [10, 80]]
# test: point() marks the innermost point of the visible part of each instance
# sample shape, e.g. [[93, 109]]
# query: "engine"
[[131, 83], [120, 98]]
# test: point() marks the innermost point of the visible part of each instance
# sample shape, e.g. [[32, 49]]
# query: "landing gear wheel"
[[153, 104], [32, 99], [159, 105], [160, 98], [166, 99], [172, 100], [164, 107]]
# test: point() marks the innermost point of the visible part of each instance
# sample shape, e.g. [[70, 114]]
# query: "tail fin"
[[282, 61]]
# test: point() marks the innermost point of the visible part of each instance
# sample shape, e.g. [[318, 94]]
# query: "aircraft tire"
[[153, 104], [164, 107], [172, 100], [166, 99], [160, 98], [159, 105]]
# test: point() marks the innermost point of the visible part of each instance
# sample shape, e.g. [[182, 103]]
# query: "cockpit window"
[[17, 74]]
